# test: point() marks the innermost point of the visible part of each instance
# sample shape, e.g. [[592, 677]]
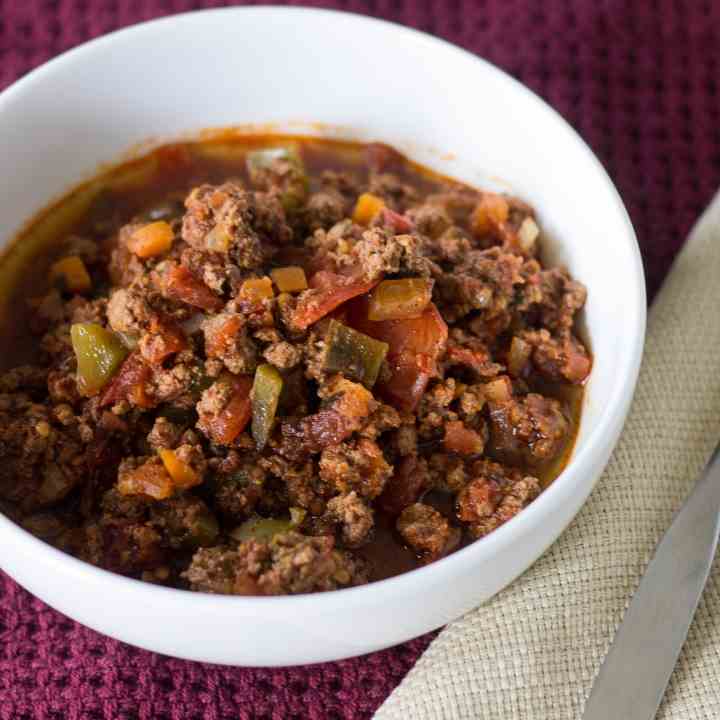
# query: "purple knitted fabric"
[[639, 81]]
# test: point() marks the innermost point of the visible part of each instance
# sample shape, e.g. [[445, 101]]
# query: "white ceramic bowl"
[[357, 78]]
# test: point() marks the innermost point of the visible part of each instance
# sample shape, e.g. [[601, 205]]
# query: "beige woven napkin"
[[532, 651]]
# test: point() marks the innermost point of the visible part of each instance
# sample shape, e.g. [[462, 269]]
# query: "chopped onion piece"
[[528, 234]]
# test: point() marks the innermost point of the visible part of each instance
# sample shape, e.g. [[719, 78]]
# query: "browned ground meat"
[[251, 373], [426, 530], [120, 545], [493, 496], [325, 208], [227, 219], [129, 311], [226, 339], [290, 564], [354, 517], [532, 428], [283, 355], [164, 434], [396, 193], [41, 462], [357, 465], [238, 481]]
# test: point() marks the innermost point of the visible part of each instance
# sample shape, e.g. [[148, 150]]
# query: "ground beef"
[[192, 455], [62, 382], [184, 522], [354, 517], [406, 440], [458, 202], [238, 482], [484, 281], [453, 245], [346, 405], [533, 428], [302, 484], [426, 531], [344, 183], [283, 355], [46, 526], [448, 473], [355, 465], [129, 311], [216, 270], [227, 219], [383, 418], [236, 497], [435, 408], [85, 311], [23, 377], [409, 481], [560, 359], [162, 339], [164, 434], [174, 384], [49, 310], [330, 249], [493, 496], [324, 209], [430, 219], [125, 267], [40, 463], [121, 545], [211, 404], [380, 252], [227, 571], [130, 507], [550, 297], [289, 565], [397, 194], [472, 354], [463, 439], [283, 179], [226, 339], [471, 402]]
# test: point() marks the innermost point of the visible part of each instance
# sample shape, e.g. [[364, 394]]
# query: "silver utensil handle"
[[636, 670]]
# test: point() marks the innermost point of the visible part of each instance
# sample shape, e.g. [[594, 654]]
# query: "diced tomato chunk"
[[397, 222], [409, 380], [477, 359], [426, 334], [129, 383], [415, 345], [164, 338], [351, 405], [327, 291], [316, 432], [224, 427], [223, 330], [578, 363], [462, 440], [178, 283]]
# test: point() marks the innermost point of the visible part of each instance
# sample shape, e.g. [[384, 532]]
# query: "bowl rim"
[[599, 442]]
